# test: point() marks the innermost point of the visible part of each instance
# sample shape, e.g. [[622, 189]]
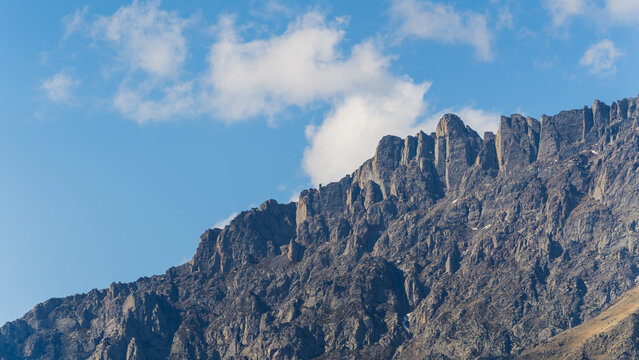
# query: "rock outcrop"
[[517, 142], [456, 148], [442, 246]]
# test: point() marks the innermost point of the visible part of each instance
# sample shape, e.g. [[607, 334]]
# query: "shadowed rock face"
[[440, 246]]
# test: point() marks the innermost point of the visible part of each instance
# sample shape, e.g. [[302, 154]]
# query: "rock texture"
[[517, 142], [611, 335], [442, 246]]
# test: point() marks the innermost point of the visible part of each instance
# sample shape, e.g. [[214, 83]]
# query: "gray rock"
[[456, 148], [517, 142], [442, 246]]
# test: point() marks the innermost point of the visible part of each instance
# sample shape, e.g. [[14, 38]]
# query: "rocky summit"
[[450, 245]]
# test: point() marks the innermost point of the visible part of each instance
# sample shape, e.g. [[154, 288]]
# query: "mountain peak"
[[518, 236]]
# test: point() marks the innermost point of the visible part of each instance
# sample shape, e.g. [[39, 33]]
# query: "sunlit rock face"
[[444, 245]]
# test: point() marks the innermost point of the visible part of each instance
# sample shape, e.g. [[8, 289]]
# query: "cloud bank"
[[305, 65], [298, 67]]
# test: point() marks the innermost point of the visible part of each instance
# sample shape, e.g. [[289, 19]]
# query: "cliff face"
[[441, 246]]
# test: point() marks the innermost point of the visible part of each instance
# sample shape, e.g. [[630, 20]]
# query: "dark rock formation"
[[517, 142], [442, 246], [560, 132], [456, 148]]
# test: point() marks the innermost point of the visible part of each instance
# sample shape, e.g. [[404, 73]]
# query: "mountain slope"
[[446, 245], [613, 334]]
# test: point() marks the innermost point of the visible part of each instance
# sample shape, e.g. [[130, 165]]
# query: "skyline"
[[132, 127]]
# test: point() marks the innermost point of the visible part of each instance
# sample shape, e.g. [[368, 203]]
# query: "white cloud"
[[274, 7], [562, 10], [428, 20], [149, 39], [626, 11], [600, 58], [223, 222], [145, 37], [299, 67], [176, 102], [305, 65], [59, 88], [612, 13], [349, 135]]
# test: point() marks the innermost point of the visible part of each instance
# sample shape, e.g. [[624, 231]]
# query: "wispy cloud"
[[145, 37], [60, 88], [75, 22], [151, 49], [562, 11], [608, 13], [545, 62], [223, 222], [443, 23], [600, 58], [624, 11], [505, 18], [169, 101]]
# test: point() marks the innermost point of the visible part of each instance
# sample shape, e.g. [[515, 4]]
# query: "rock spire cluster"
[[447, 245]]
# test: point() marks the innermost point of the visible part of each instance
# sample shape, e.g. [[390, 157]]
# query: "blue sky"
[[128, 128]]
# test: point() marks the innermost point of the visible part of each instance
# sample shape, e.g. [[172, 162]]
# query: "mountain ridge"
[[443, 245]]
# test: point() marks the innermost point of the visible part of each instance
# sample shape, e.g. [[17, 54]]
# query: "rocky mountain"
[[442, 246]]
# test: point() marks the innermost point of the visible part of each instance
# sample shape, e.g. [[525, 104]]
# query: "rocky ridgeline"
[[441, 246]]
